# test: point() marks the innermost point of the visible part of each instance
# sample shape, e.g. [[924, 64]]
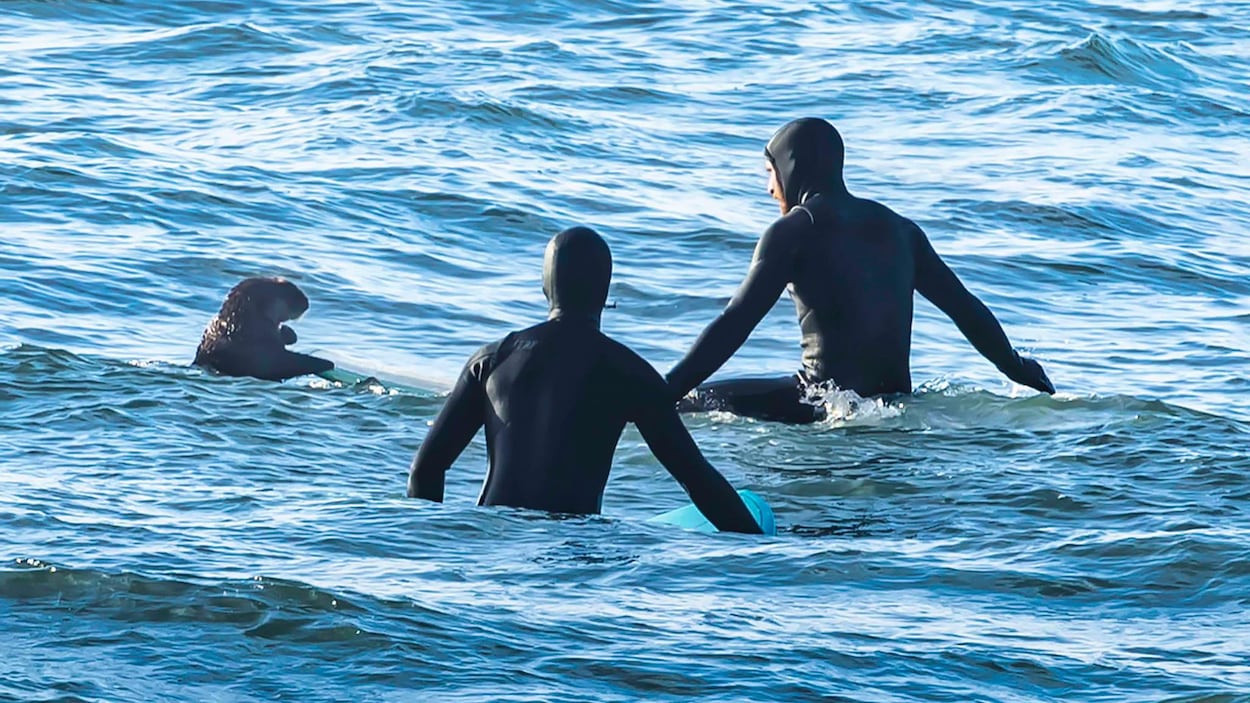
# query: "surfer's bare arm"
[[940, 286], [764, 283], [461, 417]]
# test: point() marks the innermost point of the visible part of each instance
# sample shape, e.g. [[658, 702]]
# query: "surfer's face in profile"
[[774, 186]]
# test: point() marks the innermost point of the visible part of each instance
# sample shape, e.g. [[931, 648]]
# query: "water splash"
[[843, 408]]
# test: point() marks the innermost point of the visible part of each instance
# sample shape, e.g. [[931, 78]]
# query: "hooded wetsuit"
[[555, 398], [851, 266]]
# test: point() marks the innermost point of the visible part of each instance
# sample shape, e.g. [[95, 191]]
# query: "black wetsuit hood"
[[807, 155], [576, 272]]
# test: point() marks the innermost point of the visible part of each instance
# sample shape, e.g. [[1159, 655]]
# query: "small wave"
[[632, 97], [24, 358], [484, 110], [1078, 222], [32, 361], [1211, 698], [259, 607], [1148, 15], [193, 43], [1101, 58], [940, 404], [31, 579]]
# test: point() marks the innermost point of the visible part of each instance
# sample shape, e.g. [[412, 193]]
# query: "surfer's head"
[[804, 158], [576, 272]]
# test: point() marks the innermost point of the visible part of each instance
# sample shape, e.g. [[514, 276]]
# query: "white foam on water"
[[845, 407]]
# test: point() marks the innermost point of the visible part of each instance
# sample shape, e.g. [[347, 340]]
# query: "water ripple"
[[176, 536]]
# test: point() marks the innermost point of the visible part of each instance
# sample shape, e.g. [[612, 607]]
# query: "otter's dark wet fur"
[[247, 336]]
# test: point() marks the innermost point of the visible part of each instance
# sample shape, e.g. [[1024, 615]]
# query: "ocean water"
[[169, 535]]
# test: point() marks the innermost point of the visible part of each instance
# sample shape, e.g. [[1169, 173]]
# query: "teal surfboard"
[[345, 377], [689, 517], [350, 379]]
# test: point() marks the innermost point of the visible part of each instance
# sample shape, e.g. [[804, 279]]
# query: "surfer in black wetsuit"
[[555, 398], [851, 266]]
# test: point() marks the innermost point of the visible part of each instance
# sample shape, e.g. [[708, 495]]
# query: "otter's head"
[[274, 300]]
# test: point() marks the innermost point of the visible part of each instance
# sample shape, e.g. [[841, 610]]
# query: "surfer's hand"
[[287, 335], [1032, 375]]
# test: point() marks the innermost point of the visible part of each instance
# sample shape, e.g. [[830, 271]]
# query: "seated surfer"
[[248, 337], [851, 266], [554, 399]]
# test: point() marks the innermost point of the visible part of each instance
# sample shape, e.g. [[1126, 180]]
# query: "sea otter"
[[247, 337]]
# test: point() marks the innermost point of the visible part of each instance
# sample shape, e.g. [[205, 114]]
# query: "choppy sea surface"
[[169, 535]]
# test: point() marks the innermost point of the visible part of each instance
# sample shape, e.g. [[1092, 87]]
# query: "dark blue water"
[[168, 535]]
